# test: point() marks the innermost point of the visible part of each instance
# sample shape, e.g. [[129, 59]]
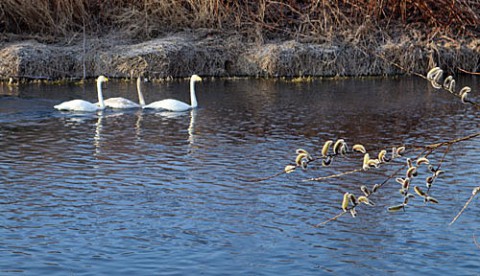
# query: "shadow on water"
[[153, 192]]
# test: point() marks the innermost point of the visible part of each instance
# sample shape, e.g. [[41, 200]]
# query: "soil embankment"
[[212, 54]]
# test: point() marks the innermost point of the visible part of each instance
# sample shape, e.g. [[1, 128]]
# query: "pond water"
[[161, 193]]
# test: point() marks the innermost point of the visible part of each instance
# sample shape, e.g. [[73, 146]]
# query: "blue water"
[[160, 193]]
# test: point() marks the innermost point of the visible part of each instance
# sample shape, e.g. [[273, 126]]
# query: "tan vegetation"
[[309, 19], [124, 38]]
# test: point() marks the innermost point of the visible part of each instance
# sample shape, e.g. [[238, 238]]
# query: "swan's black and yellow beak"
[[196, 78]]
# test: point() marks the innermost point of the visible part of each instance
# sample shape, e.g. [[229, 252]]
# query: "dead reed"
[[307, 19]]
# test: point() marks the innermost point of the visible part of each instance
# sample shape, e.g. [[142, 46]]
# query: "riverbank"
[[75, 39], [211, 53]]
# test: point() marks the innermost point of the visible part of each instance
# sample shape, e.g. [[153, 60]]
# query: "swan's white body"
[[175, 105], [122, 103], [82, 105]]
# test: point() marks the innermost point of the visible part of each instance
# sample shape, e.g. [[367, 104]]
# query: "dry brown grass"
[[349, 37], [308, 19]]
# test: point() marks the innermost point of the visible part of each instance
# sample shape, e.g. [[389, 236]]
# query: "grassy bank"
[[175, 38], [310, 20]]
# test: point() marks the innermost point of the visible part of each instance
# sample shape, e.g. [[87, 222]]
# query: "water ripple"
[[161, 193]]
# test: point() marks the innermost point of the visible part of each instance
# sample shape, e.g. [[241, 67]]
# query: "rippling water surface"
[[145, 192]]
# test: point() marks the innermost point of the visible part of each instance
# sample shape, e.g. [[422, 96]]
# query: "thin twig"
[[475, 241], [399, 170], [474, 193], [401, 67], [347, 173], [261, 178], [333, 175], [447, 150], [330, 219], [437, 145], [84, 66], [468, 72]]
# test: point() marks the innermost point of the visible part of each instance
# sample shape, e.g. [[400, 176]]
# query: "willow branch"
[[437, 145], [333, 175], [330, 219], [473, 103], [468, 72], [474, 193], [423, 151], [475, 241], [399, 170], [447, 150], [262, 178]]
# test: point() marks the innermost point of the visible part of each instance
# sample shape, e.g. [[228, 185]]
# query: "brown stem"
[[475, 241], [262, 178], [437, 145], [333, 175], [330, 219], [474, 193], [468, 72]]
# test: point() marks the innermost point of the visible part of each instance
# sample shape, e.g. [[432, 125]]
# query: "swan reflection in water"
[[191, 130], [79, 125], [98, 140], [192, 113], [138, 125], [98, 134]]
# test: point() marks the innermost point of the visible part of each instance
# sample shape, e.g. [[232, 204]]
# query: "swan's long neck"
[[141, 100], [193, 98], [100, 95]]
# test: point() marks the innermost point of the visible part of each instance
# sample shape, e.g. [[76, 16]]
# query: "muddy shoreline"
[[212, 54]]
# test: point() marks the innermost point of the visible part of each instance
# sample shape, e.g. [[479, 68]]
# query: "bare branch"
[[474, 193]]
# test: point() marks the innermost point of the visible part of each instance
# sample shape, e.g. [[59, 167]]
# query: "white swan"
[[82, 105], [175, 105], [122, 103]]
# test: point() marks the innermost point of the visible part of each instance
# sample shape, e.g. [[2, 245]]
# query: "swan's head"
[[102, 79], [195, 78]]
